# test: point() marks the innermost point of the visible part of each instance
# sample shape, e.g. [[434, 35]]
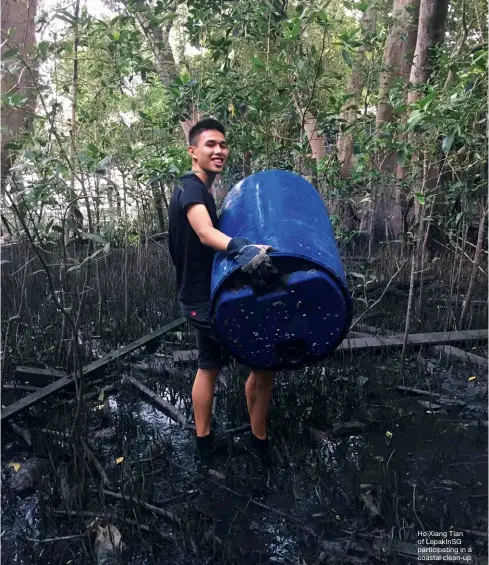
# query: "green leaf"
[[322, 17], [399, 109], [294, 32], [414, 119], [447, 142], [362, 6], [401, 158], [93, 255], [421, 198], [347, 58], [107, 248], [65, 16], [257, 63], [104, 165], [30, 155], [67, 48], [425, 102], [15, 100], [96, 238], [10, 54], [93, 149], [145, 116], [357, 275], [74, 268]]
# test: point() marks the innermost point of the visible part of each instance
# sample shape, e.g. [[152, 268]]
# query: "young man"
[[193, 240]]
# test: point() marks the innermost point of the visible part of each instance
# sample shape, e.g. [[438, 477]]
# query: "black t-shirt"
[[192, 259]]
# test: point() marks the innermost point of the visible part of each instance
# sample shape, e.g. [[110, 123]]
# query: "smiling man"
[[193, 239]]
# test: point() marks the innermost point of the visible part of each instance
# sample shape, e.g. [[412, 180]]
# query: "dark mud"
[[425, 470], [411, 464]]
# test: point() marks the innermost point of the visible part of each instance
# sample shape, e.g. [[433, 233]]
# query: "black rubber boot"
[[258, 449], [210, 446]]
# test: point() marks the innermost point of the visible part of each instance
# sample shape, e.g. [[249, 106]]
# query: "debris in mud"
[[429, 405], [28, 475], [106, 433], [367, 495], [339, 429], [108, 545], [347, 428]]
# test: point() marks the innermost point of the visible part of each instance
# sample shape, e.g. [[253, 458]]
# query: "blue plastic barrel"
[[306, 317]]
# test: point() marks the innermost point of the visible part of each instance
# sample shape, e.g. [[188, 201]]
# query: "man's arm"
[[201, 223]]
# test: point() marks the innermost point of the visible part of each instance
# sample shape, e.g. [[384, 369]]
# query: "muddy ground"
[[362, 472]]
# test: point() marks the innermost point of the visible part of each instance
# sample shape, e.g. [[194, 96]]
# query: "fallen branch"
[[88, 453], [440, 397], [238, 430], [115, 518], [155, 509], [90, 395], [61, 538], [380, 342], [23, 433], [166, 406], [461, 463], [95, 462], [60, 384], [102, 380], [27, 388], [450, 351], [38, 375], [425, 363]]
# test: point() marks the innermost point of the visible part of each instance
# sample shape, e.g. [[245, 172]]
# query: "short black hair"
[[204, 125]]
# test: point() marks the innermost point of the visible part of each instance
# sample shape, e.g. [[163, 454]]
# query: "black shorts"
[[211, 354]]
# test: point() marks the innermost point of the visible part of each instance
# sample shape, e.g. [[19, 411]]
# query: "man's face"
[[210, 151]]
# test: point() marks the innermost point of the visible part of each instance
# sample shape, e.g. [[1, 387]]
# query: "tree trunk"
[[398, 54], [349, 112], [18, 16], [74, 213], [157, 199], [246, 164], [316, 141], [431, 30], [159, 40], [387, 218], [475, 265]]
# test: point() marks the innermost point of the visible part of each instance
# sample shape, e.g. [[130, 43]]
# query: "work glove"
[[254, 261]]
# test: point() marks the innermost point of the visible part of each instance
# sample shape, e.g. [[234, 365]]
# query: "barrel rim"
[[340, 279]]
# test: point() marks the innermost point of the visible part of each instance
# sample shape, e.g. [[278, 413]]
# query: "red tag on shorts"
[[193, 313]]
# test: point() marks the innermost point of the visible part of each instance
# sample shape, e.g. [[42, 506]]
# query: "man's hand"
[[244, 252], [254, 260]]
